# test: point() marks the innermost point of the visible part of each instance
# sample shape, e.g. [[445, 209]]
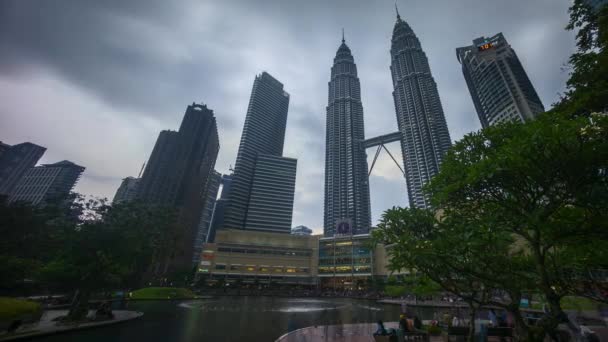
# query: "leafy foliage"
[[522, 207], [86, 246], [588, 83]]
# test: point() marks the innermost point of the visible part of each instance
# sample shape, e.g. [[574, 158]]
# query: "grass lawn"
[[572, 303], [15, 308], [162, 293]]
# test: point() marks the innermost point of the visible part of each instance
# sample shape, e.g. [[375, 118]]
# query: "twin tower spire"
[[423, 132]]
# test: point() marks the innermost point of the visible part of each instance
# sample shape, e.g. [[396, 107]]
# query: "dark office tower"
[[346, 178], [177, 175], [127, 191], [3, 148], [271, 198], [47, 183], [14, 162], [263, 134], [159, 182], [204, 225], [497, 81], [425, 137]]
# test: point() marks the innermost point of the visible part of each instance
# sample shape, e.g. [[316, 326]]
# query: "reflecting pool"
[[234, 319]]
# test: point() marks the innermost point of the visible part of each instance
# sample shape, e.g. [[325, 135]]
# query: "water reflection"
[[235, 319]]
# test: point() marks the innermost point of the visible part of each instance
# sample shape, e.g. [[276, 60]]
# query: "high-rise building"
[[204, 225], [271, 197], [301, 230], [15, 161], [262, 147], [219, 210], [346, 178], [425, 137], [127, 191], [177, 175], [47, 183], [3, 148], [497, 81], [159, 182]]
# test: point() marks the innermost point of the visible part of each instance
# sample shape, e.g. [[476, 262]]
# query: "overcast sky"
[[95, 81]]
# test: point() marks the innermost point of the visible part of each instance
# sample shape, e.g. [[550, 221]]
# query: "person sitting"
[[417, 323], [403, 323], [104, 311], [381, 330]]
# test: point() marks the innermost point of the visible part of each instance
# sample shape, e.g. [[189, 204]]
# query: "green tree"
[[587, 86], [543, 183], [27, 241], [419, 242], [108, 247]]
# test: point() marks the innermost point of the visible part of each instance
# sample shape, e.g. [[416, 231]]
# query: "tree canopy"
[[522, 207]]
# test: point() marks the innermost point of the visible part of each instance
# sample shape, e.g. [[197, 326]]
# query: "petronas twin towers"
[[422, 127]]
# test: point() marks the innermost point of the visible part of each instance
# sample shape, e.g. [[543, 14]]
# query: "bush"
[[11, 309], [394, 290], [433, 330], [162, 293]]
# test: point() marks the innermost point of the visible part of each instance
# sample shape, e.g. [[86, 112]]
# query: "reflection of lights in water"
[[292, 309], [193, 305], [370, 308], [288, 306]]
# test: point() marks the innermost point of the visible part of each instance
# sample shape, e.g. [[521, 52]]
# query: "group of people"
[[407, 324]]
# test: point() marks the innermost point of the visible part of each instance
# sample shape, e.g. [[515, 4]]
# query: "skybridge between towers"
[[380, 141]]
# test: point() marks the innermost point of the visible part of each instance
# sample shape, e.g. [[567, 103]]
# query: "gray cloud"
[[95, 81]]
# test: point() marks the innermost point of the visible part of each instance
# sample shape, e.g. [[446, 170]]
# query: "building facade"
[[127, 191], [250, 256], [3, 148], [272, 191], [219, 209], [301, 230], [15, 161], [499, 86], [349, 261], [47, 183], [159, 184], [346, 179], [177, 175], [205, 221], [251, 204], [425, 136]]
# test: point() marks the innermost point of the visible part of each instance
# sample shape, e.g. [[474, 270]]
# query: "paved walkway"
[[360, 332], [47, 326]]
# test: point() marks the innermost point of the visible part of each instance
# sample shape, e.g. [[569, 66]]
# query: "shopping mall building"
[[346, 262]]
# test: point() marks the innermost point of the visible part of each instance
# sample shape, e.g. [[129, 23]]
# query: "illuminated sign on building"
[[208, 254], [486, 46]]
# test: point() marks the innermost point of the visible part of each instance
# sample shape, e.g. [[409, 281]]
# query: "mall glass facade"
[[346, 260]]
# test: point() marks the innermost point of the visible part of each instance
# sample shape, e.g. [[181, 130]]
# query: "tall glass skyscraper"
[[425, 137], [15, 161], [346, 178], [47, 183], [263, 183], [177, 175], [497, 81]]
